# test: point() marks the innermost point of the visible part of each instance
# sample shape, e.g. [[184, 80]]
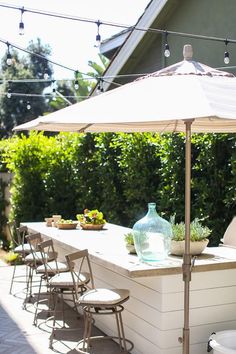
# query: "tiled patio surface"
[[19, 336]]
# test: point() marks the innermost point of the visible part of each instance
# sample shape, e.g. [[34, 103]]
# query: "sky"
[[71, 42]]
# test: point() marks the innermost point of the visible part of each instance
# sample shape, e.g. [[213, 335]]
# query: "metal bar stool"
[[18, 238], [98, 301], [61, 284], [33, 260], [47, 270]]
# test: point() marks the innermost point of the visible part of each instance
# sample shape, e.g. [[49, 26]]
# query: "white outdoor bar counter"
[[153, 316]]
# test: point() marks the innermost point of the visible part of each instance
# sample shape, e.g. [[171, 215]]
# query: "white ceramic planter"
[[131, 248], [197, 247]]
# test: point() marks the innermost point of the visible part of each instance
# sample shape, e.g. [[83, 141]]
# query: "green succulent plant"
[[129, 238], [198, 232]]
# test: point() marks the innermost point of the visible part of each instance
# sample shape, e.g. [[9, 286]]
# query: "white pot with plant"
[[198, 238], [129, 242]]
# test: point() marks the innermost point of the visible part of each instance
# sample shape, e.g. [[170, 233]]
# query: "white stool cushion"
[[104, 297], [38, 257], [23, 249], [65, 280], [53, 267]]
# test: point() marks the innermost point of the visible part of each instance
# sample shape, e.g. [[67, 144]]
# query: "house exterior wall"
[[214, 18]]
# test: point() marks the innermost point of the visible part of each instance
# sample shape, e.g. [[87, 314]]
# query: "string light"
[[167, 48], [113, 24], [226, 55], [100, 88], [21, 24], [130, 28], [20, 94], [76, 83], [54, 94], [9, 93], [46, 75], [9, 57], [98, 36]]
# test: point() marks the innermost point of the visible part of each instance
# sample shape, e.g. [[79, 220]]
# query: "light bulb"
[[167, 50], [45, 75], [226, 58], [54, 94], [98, 41], [76, 85], [9, 93], [21, 29], [28, 105], [9, 59]]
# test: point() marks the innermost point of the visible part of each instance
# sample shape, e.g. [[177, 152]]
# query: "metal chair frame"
[[18, 236], [33, 240], [78, 285], [94, 309], [51, 268]]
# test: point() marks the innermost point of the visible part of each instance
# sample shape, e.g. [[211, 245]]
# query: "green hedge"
[[119, 174]]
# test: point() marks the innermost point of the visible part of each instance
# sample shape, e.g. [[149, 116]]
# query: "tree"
[[17, 103], [85, 86]]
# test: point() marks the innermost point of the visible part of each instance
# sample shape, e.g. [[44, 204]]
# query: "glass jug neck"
[[151, 209]]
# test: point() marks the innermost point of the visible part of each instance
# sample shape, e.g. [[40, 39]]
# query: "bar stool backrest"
[[11, 228], [78, 263], [17, 235], [21, 233], [48, 252], [34, 240]]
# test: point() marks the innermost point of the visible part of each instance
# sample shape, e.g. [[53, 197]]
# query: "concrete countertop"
[[107, 248]]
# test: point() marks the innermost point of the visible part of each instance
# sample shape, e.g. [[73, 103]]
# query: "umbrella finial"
[[188, 52]]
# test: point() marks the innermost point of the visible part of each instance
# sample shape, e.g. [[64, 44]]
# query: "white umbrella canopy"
[[185, 97], [157, 102]]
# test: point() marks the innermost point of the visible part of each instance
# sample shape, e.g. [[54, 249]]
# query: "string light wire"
[[106, 23], [118, 25]]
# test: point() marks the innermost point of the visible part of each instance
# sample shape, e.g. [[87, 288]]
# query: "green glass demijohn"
[[152, 236]]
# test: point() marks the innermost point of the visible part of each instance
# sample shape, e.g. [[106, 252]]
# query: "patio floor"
[[19, 336]]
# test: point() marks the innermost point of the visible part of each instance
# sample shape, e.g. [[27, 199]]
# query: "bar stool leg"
[[28, 287], [37, 301], [87, 330], [54, 321], [118, 329], [12, 279], [122, 331]]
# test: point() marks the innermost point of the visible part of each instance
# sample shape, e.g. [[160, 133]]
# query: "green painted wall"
[[215, 18]]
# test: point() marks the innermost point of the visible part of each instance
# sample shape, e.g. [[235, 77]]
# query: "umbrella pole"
[[187, 257]]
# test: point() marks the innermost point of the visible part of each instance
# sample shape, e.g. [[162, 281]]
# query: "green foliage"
[[198, 232], [13, 258], [14, 110], [119, 174], [94, 217], [129, 238], [3, 206]]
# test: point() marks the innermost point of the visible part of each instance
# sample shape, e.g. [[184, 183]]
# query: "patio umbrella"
[[185, 97]]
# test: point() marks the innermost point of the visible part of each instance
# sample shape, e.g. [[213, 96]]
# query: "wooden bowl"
[[64, 226], [91, 226]]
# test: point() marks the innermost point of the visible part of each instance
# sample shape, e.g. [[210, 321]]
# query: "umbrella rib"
[[82, 130]]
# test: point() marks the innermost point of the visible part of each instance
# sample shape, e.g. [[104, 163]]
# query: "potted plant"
[[91, 219], [13, 258], [129, 242], [198, 237]]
